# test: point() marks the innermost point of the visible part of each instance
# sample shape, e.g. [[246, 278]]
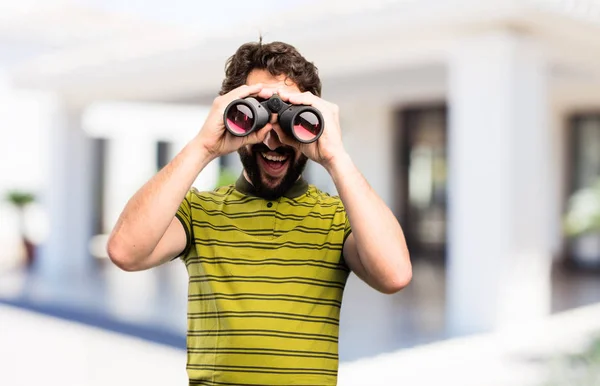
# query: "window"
[[421, 165], [163, 151], [584, 171], [99, 180]]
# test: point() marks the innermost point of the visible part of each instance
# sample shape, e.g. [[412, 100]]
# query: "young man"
[[267, 257]]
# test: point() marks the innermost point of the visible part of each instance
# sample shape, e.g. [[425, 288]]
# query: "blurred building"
[[475, 121]]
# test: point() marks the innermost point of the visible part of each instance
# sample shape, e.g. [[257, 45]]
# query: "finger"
[[258, 136], [245, 90], [284, 94], [266, 92], [240, 92], [305, 98]]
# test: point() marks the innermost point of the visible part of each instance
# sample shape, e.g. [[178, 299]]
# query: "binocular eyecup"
[[243, 116]]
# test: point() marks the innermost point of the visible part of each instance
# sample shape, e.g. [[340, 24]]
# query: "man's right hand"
[[213, 136]]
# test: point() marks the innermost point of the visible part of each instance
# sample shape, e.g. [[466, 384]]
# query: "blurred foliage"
[[583, 213], [20, 199], [226, 177], [581, 369]]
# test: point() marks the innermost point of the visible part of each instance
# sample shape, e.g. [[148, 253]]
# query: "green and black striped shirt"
[[266, 280]]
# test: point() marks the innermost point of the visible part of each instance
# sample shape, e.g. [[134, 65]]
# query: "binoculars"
[[243, 116]]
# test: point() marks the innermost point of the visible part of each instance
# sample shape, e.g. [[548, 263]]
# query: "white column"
[[27, 121], [130, 163], [44, 151], [67, 195], [499, 254]]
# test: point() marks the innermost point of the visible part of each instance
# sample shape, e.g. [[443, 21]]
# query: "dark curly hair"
[[276, 57]]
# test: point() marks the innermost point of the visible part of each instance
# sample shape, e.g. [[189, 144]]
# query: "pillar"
[[499, 254]]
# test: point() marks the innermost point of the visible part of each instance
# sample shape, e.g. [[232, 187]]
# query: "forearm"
[[380, 242], [148, 214]]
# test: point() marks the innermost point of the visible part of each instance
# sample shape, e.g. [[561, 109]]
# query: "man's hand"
[[214, 137], [329, 146]]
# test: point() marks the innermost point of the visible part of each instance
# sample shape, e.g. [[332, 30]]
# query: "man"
[[267, 257]]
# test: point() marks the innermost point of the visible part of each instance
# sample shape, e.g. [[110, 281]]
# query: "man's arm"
[[147, 232], [376, 249]]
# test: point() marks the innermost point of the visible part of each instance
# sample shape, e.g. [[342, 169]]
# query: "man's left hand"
[[329, 146]]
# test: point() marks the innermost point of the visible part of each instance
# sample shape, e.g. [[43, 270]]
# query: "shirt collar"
[[299, 188]]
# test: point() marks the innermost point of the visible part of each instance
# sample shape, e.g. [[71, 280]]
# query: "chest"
[[270, 238]]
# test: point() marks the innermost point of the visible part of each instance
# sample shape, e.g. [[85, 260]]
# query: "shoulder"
[[321, 195], [325, 199], [218, 196], [219, 193]]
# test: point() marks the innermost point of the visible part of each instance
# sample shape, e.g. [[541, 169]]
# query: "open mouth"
[[273, 163]]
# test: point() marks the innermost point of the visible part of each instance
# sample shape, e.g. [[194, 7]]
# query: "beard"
[[264, 185]]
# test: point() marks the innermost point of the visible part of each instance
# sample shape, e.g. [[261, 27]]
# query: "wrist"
[[200, 151], [337, 164]]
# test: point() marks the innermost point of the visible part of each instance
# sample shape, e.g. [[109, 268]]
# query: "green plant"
[[226, 177], [583, 214], [20, 200], [580, 369]]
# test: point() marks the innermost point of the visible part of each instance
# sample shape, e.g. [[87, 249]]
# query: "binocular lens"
[[243, 116], [240, 119], [307, 126]]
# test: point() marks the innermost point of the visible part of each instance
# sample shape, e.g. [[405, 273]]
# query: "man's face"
[[270, 166]]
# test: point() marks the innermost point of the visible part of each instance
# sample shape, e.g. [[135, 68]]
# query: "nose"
[[273, 119], [272, 139]]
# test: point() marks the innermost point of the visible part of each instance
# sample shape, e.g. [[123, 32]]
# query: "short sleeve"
[[347, 227], [342, 215], [184, 214], [347, 232]]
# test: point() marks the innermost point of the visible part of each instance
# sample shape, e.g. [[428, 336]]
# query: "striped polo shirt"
[[266, 279]]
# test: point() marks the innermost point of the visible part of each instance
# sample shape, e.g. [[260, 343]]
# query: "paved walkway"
[[40, 350], [524, 357]]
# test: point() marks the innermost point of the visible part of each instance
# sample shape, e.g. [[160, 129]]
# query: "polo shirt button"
[[269, 204]]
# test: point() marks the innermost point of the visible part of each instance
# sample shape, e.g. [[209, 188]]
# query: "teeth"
[[278, 158]]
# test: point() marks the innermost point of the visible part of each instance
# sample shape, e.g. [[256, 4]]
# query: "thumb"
[[258, 136]]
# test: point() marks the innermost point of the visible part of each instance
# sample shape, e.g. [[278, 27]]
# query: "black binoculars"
[[243, 116]]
